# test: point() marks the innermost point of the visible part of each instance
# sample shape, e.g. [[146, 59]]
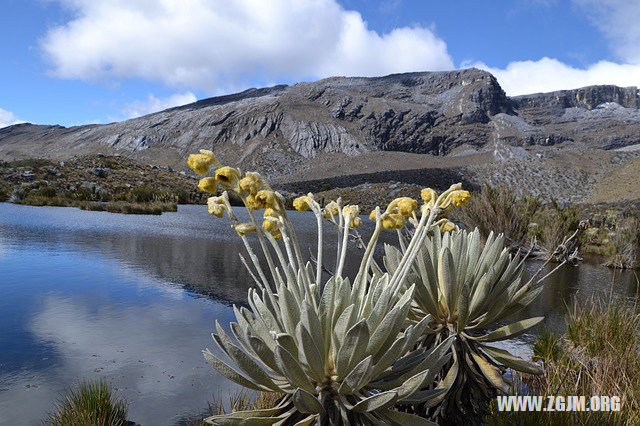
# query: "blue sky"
[[74, 62]]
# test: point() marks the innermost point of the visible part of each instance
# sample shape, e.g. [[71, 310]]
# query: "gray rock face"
[[277, 129], [587, 97]]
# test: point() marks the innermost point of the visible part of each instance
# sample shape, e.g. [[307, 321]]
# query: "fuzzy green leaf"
[[510, 331], [376, 402], [292, 370], [306, 402], [512, 361]]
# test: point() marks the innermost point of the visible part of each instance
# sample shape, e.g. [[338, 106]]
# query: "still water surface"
[[133, 299]]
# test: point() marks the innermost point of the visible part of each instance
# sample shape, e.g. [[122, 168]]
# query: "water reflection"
[[133, 299]]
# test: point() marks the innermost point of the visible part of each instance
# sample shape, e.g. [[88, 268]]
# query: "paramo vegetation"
[[405, 341]]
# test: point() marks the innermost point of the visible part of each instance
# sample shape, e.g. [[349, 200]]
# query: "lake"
[[133, 299]]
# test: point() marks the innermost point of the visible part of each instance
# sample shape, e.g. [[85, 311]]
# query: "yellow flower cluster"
[[394, 221], [227, 175], [245, 228], [258, 195], [459, 197], [454, 195], [352, 212], [331, 210], [208, 184], [251, 183], [302, 204], [271, 223], [201, 162], [448, 226], [403, 208], [251, 188], [428, 195], [397, 213], [217, 206]]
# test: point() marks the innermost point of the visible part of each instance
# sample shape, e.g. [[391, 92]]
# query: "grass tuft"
[[91, 404]]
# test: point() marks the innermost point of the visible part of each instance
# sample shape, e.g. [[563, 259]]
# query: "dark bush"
[[46, 191]]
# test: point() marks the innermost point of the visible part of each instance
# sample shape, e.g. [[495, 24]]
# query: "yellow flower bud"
[[245, 228], [356, 223], [216, 206], [269, 212], [331, 210], [428, 195], [393, 221], [208, 184], [209, 155], [351, 211], [448, 226], [277, 234], [200, 163], [227, 175], [459, 197], [251, 203], [250, 184], [406, 206], [372, 215], [302, 204], [270, 224], [266, 198]]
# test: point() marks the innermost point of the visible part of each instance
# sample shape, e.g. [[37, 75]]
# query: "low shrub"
[[623, 253], [555, 224], [45, 191], [143, 194], [500, 210], [82, 193]]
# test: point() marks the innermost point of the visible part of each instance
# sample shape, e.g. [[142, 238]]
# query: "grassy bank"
[[155, 207], [101, 183], [598, 355]]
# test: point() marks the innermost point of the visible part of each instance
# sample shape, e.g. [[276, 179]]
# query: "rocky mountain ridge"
[[456, 119]]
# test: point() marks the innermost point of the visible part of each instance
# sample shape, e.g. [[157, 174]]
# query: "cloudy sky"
[[76, 62]]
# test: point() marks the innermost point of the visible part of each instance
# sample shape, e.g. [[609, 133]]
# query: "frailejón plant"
[[339, 351], [465, 289]]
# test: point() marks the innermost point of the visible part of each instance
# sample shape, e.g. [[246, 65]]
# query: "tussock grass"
[[91, 404], [598, 355], [625, 245]]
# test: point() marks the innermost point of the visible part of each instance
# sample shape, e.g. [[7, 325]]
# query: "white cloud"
[[547, 75], [153, 104], [619, 21], [7, 118], [211, 46]]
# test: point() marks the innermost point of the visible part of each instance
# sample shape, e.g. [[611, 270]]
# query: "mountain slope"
[[340, 126]]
